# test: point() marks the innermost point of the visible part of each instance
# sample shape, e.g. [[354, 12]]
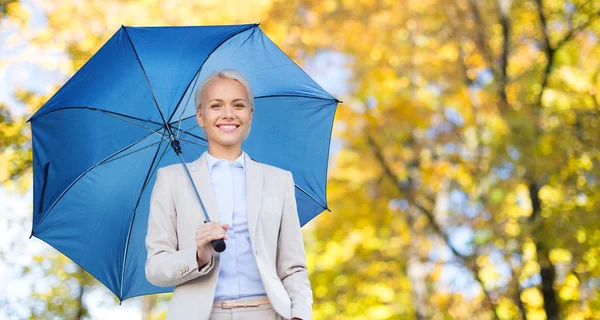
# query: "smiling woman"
[[262, 273], [226, 114]]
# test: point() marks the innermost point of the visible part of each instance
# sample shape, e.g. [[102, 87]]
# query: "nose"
[[228, 112]]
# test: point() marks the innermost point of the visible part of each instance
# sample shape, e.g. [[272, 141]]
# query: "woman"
[[262, 273]]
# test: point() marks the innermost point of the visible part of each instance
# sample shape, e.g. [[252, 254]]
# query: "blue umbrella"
[[98, 142]]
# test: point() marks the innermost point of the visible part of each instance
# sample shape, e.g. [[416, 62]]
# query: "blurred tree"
[[476, 122], [68, 283], [4, 4], [15, 154]]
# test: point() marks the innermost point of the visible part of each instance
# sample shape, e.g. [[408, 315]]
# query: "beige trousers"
[[262, 312]]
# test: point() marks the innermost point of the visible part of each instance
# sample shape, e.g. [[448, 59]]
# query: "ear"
[[199, 117]]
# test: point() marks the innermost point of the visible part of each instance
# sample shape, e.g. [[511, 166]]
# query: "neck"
[[225, 152]]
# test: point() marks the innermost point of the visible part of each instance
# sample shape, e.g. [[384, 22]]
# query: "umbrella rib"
[[308, 194], [296, 96], [329, 148], [186, 104], [149, 84], [150, 173], [153, 171], [81, 176], [199, 69], [136, 124], [195, 136], [96, 109], [132, 152], [196, 143], [190, 128]]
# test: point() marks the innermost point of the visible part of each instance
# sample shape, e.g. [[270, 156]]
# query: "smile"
[[228, 127]]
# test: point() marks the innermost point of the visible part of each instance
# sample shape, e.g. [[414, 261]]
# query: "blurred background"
[[464, 180]]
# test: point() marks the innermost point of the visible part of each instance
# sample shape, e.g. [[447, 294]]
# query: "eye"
[[239, 106], [215, 106]]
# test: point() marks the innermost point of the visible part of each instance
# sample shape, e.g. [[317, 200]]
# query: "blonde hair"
[[224, 74]]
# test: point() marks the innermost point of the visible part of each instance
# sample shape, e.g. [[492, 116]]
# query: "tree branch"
[[548, 51], [17, 174], [480, 34], [504, 9], [576, 30], [467, 261]]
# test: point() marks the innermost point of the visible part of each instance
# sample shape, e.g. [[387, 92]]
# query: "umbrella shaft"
[[177, 148]]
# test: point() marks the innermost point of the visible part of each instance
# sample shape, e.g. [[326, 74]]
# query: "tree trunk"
[[147, 304], [547, 270], [548, 273], [80, 309], [520, 304], [416, 273]]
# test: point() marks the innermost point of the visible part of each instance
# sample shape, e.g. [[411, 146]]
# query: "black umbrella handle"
[[218, 245]]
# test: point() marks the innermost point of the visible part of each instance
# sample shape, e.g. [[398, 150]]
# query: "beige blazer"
[[275, 235]]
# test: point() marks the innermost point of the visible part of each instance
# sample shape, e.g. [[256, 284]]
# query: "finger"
[[204, 238], [208, 225], [210, 237], [205, 229], [209, 230], [225, 227]]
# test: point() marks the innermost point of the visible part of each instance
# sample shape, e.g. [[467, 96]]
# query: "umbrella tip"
[[31, 235], [257, 23]]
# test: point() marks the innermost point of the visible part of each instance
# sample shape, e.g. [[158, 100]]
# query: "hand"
[[294, 318], [206, 233]]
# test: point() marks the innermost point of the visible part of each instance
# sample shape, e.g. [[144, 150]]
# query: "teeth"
[[228, 127]]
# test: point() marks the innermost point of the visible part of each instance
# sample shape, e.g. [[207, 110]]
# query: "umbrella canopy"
[[98, 142]]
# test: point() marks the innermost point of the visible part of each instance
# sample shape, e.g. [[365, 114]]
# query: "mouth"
[[228, 127]]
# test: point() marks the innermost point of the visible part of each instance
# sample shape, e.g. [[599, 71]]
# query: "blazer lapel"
[[199, 172], [254, 190]]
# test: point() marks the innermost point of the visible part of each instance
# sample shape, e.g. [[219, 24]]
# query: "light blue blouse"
[[238, 274]]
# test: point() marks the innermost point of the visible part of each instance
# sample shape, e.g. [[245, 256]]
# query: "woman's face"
[[225, 113]]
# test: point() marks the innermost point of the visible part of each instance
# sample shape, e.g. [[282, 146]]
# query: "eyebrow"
[[234, 100]]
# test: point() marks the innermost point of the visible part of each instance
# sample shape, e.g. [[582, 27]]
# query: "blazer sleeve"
[[291, 257], [166, 266]]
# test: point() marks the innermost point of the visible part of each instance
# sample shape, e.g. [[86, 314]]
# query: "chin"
[[228, 143], [226, 140]]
